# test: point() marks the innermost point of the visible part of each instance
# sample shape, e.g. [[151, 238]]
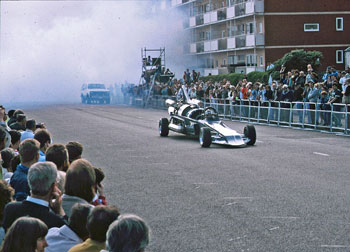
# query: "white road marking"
[[235, 198], [259, 141], [280, 217], [198, 185], [321, 154], [205, 183], [335, 246], [274, 228], [231, 203]]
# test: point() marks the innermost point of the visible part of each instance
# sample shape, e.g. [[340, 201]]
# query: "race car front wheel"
[[163, 127], [250, 133], [205, 137]]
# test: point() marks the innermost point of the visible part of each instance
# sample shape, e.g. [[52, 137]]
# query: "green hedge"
[[234, 78]]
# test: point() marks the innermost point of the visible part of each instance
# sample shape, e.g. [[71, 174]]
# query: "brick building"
[[244, 35]]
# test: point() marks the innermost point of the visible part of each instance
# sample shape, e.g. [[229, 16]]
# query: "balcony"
[[197, 20], [180, 2], [217, 43], [238, 9], [242, 41], [200, 47]]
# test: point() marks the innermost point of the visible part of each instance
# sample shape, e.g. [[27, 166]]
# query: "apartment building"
[[242, 36]]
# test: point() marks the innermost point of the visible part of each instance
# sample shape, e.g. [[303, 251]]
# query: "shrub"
[[296, 59]]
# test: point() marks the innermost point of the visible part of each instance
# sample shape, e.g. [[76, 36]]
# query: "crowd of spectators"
[[299, 89], [51, 199]]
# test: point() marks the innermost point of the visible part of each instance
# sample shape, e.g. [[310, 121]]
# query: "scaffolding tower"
[[153, 71]]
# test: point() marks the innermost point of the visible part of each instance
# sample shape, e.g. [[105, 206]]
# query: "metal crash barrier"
[[333, 118]]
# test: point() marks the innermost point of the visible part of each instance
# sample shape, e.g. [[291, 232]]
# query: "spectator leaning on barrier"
[[298, 99], [286, 99], [335, 98], [346, 100], [325, 107], [312, 97], [29, 153]]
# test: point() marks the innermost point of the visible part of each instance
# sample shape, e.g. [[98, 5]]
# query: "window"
[[311, 27], [339, 23], [231, 60], [241, 59], [251, 60], [261, 27], [339, 56], [261, 61], [250, 28]]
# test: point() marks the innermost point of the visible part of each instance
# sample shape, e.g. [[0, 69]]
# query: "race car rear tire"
[[205, 137], [250, 133], [164, 127]]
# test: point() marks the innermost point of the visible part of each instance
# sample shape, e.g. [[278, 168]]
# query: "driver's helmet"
[[209, 114]]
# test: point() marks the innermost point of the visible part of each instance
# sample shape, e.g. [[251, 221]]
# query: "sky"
[[48, 49]]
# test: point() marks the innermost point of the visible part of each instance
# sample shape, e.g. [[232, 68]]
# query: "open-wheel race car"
[[189, 118]]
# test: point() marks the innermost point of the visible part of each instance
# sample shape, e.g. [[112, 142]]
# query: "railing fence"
[[334, 118]]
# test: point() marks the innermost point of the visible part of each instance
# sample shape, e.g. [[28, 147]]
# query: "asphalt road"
[[289, 192]]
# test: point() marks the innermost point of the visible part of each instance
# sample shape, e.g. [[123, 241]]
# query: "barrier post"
[[346, 119], [279, 114], [240, 110], [224, 100], [269, 113], [290, 113], [331, 121], [249, 107], [258, 111]]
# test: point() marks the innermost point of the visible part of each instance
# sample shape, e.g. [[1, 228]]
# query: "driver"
[[210, 114]]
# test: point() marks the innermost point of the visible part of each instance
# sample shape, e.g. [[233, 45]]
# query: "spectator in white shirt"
[[64, 238], [29, 132]]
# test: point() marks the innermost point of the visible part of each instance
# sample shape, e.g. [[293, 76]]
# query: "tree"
[[296, 59]]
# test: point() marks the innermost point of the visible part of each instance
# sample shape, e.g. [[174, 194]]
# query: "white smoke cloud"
[[48, 49]]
